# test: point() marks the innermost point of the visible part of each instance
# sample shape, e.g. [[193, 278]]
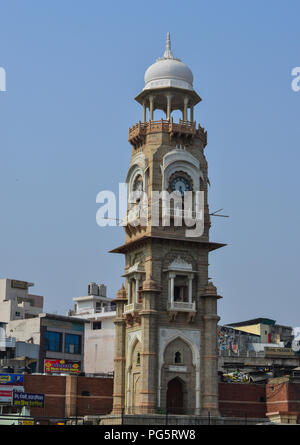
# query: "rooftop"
[[266, 321]]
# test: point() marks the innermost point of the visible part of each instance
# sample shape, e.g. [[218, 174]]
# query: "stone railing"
[[243, 353], [182, 306], [132, 307], [139, 131]]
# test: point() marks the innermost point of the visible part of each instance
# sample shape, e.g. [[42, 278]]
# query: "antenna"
[[216, 213]]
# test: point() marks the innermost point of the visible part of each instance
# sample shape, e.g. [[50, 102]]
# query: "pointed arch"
[[192, 346]]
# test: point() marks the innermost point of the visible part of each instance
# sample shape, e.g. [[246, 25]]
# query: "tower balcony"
[[176, 307], [132, 308], [182, 306], [187, 129], [131, 313]]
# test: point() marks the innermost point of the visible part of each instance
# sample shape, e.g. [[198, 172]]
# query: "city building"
[[244, 358], [15, 301], [60, 340], [166, 322], [99, 311], [267, 330]]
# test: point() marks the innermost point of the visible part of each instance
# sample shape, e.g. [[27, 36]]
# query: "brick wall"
[[242, 400], [54, 389], [94, 396], [283, 395], [99, 400]]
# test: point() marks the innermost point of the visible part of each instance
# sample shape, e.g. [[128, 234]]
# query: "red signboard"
[[61, 366], [6, 393]]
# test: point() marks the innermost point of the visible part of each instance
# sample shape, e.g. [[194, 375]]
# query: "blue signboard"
[[28, 399], [11, 379]]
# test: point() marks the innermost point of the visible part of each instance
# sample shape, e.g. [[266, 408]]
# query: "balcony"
[[107, 310], [132, 308], [138, 132], [182, 306], [176, 307]]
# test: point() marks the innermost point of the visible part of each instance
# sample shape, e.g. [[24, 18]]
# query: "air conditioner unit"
[[102, 290], [93, 289]]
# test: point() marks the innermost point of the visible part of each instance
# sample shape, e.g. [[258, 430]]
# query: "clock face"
[[181, 184]]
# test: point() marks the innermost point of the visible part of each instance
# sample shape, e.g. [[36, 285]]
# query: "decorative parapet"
[[132, 308], [176, 307], [139, 131]]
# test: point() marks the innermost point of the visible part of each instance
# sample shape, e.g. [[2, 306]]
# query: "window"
[[18, 314], [53, 341], [73, 344], [178, 358], [97, 325], [138, 358], [140, 299], [180, 293]]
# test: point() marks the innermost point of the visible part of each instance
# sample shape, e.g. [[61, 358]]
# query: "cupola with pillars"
[[168, 87]]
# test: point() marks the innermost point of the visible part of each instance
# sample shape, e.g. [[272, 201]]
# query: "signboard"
[[19, 284], [6, 393], [26, 422], [28, 399], [279, 352], [11, 379], [65, 366], [173, 368]]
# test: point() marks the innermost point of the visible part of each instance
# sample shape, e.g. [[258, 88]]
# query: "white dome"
[[168, 72]]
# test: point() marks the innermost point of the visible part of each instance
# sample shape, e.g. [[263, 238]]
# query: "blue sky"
[[73, 69]]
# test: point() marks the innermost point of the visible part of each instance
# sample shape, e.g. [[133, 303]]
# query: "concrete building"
[[15, 301], [267, 330], [99, 311], [58, 337], [243, 357], [166, 323]]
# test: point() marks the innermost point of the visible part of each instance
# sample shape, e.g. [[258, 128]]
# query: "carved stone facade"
[[166, 346]]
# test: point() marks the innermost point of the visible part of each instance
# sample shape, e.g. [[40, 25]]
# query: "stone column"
[[119, 358], [151, 108], [144, 112], [71, 396], [210, 402], [129, 290], [149, 359], [169, 105], [137, 285], [172, 276], [191, 276], [192, 113], [185, 103]]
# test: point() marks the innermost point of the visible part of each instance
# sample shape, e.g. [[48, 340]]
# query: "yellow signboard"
[[280, 352]]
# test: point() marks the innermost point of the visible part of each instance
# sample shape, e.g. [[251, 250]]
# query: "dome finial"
[[168, 53]]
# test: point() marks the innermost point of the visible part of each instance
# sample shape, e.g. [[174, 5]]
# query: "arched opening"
[[176, 115], [175, 396], [159, 114]]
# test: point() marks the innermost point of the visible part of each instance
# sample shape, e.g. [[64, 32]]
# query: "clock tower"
[[166, 324]]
